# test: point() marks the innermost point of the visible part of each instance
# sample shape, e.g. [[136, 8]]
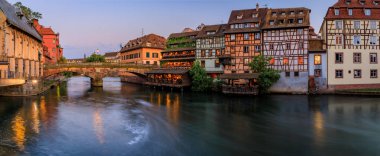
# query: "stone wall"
[[292, 84]]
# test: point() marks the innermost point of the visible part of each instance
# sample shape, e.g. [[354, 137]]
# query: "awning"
[[235, 76], [168, 71]]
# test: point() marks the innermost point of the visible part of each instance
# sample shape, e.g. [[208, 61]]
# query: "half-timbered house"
[[210, 45], [285, 41], [351, 35]]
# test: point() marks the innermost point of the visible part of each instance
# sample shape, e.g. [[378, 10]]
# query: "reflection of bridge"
[[98, 71]]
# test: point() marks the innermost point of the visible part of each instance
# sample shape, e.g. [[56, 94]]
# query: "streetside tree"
[[268, 76], [200, 80], [96, 58]]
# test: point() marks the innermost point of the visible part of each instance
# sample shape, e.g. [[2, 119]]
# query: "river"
[[126, 119]]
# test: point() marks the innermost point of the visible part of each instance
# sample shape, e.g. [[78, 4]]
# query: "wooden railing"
[[100, 64]]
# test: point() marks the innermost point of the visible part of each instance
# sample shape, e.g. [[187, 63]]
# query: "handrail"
[[99, 64]]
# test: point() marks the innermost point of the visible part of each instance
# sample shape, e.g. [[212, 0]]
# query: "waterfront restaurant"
[[177, 59], [243, 84]]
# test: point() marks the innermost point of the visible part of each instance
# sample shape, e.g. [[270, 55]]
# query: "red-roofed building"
[[52, 50]]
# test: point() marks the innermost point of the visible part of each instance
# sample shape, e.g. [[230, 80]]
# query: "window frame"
[[370, 73], [315, 72], [342, 58], [370, 58], [339, 24], [357, 71], [359, 55], [245, 36], [320, 59], [342, 73]]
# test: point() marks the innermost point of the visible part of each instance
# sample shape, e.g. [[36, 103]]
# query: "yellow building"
[[143, 50], [351, 35], [20, 45]]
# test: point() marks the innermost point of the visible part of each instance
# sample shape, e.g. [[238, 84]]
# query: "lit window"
[[271, 61], [300, 60], [286, 61], [317, 60]]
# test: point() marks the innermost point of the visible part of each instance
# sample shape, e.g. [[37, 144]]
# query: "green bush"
[[96, 58], [200, 80], [267, 76]]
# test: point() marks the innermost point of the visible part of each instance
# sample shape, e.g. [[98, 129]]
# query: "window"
[[373, 73], [317, 72], [257, 35], [367, 12], [147, 54], [291, 12], [357, 73], [283, 13], [287, 74], [286, 61], [233, 37], [207, 53], [336, 11], [203, 53], [217, 63], [338, 24], [373, 58], [350, 12], [338, 39], [203, 64], [257, 48], [296, 74], [299, 31], [290, 21], [155, 62], [274, 13], [211, 53], [373, 25], [300, 21], [246, 61], [246, 36], [356, 24], [271, 61], [246, 49], [357, 57], [155, 55], [338, 73], [357, 39], [271, 22], [239, 17], [300, 60], [300, 45], [372, 40], [147, 62], [338, 57], [271, 47], [317, 60], [287, 45], [301, 12]]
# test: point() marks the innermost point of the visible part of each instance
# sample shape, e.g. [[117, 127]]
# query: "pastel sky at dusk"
[[87, 25]]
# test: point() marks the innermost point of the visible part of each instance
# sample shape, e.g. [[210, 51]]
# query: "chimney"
[[257, 6]]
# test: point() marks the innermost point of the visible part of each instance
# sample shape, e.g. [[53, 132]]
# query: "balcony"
[[177, 55]]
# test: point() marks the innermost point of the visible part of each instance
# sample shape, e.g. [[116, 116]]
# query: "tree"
[[96, 58], [28, 13], [267, 76], [62, 60], [200, 80]]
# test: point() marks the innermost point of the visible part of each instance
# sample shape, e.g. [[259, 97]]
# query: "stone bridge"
[[98, 71]]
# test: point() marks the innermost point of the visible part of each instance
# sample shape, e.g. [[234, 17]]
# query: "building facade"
[[112, 57], [52, 49], [20, 45], [351, 33], [210, 45], [143, 50], [317, 63], [285, 41]]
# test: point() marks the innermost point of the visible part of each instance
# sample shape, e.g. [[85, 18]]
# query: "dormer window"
[[292, 13], [362, 2], [348, 1], [300, 21], [239, 17], [350, 12], [254, 15], [367, 12], [210, 32], [336, 11], [291, 21], [301, 12], [274, 13], [283, 13], [376, 2], [281, 21], [271, 22]]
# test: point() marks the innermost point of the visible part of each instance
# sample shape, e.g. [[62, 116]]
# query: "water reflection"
[[121, 119]]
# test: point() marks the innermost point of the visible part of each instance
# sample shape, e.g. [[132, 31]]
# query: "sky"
[[87, 25]]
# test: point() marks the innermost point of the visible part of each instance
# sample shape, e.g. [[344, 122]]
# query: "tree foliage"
[[200, 80], [267, 76], [62, 60], [96, 58], [28, 13]]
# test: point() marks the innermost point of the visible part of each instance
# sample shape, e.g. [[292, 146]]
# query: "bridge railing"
[[103, 65]]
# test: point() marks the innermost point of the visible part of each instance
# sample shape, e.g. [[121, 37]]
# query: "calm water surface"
[[125, 119]]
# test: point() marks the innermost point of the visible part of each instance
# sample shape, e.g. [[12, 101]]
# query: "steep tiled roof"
[[184, 34], [147, 41], [111, 54], [47, 31], [13, 19], [281, 17], [357, 7], [248, 16], [218, 30]]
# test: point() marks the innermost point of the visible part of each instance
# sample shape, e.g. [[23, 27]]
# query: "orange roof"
[[47, 31]]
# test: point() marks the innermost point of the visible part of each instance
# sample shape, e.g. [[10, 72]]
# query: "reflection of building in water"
[[99, 126], [349, 108], [319, 127], [18, 128], [35, 118]]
